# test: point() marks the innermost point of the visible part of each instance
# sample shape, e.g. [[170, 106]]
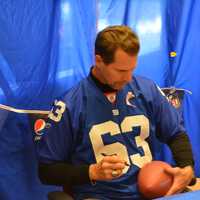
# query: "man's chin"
[[118, 87]]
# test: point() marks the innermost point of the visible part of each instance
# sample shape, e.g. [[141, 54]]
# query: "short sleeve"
[[169, 121], [55, 141]]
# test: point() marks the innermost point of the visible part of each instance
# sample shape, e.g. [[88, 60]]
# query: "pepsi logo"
[[39, 125]]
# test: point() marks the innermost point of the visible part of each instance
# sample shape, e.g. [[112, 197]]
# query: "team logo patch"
[[174, 100], [175, 95], [130, 96]]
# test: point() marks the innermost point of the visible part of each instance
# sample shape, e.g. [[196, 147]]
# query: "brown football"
[[153, 181]]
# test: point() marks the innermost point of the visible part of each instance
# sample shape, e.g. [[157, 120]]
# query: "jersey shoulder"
[[146, 86], [74, 97], [143, 82], [74, 92]]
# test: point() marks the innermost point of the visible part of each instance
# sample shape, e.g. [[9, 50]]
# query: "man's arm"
[[67, 174], [184, 173], [63, 174], [181, 150]]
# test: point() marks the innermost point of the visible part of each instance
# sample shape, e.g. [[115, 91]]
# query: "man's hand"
[[108, 168], [181, 178]]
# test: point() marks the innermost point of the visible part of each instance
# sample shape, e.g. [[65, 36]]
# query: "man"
[[106, 128]]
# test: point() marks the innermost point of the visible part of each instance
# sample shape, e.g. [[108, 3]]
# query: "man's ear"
[[98, 60]]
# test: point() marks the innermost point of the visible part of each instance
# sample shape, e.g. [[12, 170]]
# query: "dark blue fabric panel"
[[18, 163]]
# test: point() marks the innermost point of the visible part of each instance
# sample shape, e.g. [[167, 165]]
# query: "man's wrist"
[[92, 173], [193, 180]]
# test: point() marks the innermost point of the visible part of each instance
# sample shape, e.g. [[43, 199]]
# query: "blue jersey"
[[84, 125]]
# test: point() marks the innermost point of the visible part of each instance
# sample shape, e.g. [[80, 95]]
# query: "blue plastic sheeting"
[[46, 46], [28, 47]]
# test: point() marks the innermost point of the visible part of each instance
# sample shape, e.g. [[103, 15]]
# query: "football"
[[153, 181]]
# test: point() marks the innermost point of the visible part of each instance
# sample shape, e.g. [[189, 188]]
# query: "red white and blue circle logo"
[[39, 125]]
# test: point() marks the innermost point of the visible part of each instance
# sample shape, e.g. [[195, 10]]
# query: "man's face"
[[118, 73]]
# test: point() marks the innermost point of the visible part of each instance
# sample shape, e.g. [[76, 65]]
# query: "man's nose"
[[128, 77]]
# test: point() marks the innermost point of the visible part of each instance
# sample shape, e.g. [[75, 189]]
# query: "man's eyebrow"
[[122, 69]]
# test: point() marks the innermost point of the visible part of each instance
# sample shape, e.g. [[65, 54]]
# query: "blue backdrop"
[[46, 46]]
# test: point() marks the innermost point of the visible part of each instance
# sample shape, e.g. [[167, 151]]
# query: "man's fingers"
[[112, 166], [173, 190], [171, 171], [113, 159]]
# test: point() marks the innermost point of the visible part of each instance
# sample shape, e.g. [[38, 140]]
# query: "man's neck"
[[105, 88]]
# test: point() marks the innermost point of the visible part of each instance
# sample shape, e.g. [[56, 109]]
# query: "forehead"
[[124, 61]]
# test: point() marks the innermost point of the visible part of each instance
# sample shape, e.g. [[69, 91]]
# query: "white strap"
[[9, 108]]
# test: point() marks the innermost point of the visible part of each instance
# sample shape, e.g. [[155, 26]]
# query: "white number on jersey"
[[97, 131], [57, 111]]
